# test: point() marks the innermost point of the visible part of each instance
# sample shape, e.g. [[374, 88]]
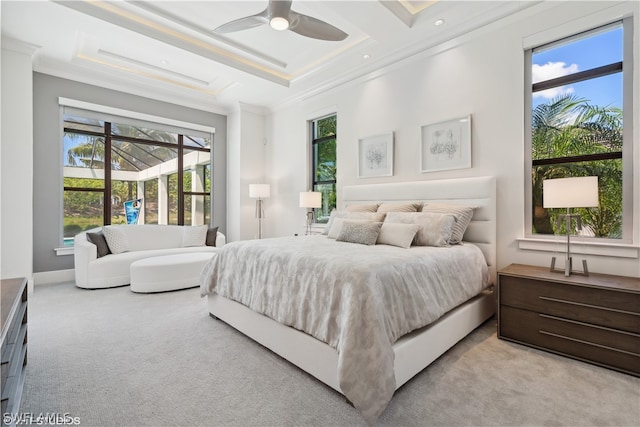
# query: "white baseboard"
[[57, 276]]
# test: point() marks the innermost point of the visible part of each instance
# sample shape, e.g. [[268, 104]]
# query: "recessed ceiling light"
[[366, 56], [164, 62], [438, 22]]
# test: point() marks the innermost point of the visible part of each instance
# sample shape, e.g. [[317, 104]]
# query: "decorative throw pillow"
[[116, 238], [336, 227], [462, 213], [399, 207], [212, 234], [362, 208], [369, 216], [435, 229], [396, 234], [364, 233], [98, 239], [195, 235]]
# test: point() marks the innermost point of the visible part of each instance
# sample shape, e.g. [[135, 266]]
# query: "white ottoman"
[[168, 272]]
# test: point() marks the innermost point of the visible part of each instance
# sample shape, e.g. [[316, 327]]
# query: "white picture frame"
[[446, 145], [375, 155]]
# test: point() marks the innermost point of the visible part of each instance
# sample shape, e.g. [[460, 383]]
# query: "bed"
[[327, 341]]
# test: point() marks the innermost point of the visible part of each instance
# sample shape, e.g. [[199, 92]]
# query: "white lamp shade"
[[581, 192], [259, 191], [310, 199]]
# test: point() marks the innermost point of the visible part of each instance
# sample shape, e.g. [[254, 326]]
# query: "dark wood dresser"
[[595, 319], [13, 315]]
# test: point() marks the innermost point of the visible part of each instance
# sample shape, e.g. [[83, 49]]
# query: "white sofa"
[[131, 243]]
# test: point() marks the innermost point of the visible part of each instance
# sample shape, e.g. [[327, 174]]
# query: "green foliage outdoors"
[[569, 126], [326, 165]]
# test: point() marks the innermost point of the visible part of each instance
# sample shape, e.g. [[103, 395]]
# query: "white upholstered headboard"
[[475, 191]]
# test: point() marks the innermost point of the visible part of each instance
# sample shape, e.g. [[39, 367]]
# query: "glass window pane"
[[83, 210], [83, 151], [151, 201], [324, 127], [197, 210], [129, 156], [144, 133], [328, 202], [121, 191], [604, 221], [196, 177], [81, 123], [172, 199], [194, 141], [325, 155], [578, 54]]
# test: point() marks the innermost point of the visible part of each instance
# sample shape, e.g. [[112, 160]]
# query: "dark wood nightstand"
[[595, 319]]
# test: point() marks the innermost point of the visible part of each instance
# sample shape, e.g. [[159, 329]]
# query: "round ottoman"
[[168, 272]]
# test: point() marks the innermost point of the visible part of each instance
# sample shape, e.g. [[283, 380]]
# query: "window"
[[579, 121], [323, 171], [144, 164]]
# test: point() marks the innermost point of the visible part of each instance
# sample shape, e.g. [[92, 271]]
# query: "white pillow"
[[396, 234], [435, 229], [195, 235], [462, 213], [369, 216], [116, 238]]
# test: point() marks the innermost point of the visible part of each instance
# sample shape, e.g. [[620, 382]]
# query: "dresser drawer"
[[603, 307], [604, 346]]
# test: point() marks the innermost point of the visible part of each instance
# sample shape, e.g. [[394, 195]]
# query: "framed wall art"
[[375, 156], [446, 145]]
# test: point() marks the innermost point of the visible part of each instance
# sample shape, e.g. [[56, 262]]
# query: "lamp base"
[[568, 267]]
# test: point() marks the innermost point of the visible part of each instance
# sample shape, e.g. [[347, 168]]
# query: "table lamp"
[[579, 192], [259, 191], [310, 200]]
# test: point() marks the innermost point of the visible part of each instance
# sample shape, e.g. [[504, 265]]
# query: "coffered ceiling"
[[167, 50]]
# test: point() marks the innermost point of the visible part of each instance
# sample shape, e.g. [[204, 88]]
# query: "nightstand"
[[593, 318]]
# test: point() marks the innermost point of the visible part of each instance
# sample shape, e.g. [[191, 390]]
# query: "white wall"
[[482, 74], [16, 212]]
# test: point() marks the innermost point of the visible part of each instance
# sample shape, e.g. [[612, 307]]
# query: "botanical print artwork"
[[376, 156], [445, 143]]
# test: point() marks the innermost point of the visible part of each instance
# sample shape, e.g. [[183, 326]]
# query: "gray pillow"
[[364, 233], [369, 216], [462, 213], [212, 234], [98, 239], [435, 228]]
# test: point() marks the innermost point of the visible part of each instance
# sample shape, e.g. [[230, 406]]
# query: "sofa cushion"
[[194, 235], [116, 238]]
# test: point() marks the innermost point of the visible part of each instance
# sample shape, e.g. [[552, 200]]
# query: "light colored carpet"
[[115, 358]]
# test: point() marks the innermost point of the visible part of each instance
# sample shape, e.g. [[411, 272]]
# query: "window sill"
[[66, 250], [617, 250]]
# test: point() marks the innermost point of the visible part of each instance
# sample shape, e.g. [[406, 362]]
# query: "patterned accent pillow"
[[336, 227], [435, 228], [463, 215], [369, 216], [364, 233], [399, 207], [98, 239], [363, 208], [195, 235], [396, 234], [212, 235], [116, 238]]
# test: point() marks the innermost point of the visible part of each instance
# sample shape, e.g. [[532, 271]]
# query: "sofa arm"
[[83, 253], [221, 240]]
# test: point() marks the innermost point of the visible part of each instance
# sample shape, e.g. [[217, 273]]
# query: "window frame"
[[314, 143], [627, 67]]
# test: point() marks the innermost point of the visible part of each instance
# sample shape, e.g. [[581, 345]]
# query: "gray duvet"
[[358, 299]]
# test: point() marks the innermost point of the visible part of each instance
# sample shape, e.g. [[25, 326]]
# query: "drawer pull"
[[588, 325], [562, 301], [588, 343]]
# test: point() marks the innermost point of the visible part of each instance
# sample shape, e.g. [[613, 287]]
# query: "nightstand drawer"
[[603, 307], [591, 343]]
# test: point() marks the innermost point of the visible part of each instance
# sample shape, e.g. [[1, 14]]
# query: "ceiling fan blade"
[[316, 29], [243, 23]]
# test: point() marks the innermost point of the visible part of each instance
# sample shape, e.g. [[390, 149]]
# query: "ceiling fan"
[[279, 16]]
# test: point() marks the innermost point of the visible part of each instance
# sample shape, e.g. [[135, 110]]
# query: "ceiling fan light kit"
[[279, 16]]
